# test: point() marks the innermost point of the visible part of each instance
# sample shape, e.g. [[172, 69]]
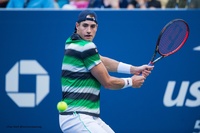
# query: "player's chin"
[[88, 38]]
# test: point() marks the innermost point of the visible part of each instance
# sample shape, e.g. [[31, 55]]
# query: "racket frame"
[[153, 60]]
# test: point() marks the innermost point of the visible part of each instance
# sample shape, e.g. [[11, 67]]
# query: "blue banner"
[[32, 48]]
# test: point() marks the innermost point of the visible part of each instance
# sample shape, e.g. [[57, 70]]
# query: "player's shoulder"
[[84, 43], [88, 45], [81, 46]]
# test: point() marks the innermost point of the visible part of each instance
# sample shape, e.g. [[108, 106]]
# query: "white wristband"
[[128, 82], [124, 68]]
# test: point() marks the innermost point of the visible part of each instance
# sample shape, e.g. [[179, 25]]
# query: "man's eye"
[[93, 26], [85, 25]]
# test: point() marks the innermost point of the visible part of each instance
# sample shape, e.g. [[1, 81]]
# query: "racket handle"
[[150, 64]]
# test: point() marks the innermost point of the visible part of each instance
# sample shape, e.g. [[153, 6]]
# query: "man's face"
[[87, 29]]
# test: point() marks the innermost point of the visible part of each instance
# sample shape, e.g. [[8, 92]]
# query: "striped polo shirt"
[[80, 89]]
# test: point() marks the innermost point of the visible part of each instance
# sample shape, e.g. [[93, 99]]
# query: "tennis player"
[[84, 70]]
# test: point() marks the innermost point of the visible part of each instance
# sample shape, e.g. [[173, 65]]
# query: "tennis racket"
[[171, 39]]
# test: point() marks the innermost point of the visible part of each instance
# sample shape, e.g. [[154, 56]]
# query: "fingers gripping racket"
[[172, 37]]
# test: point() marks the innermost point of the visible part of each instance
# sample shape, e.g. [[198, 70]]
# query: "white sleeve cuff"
[[124, 68], [128, 82]]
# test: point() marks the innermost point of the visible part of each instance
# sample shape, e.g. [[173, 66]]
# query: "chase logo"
[[27, 67]]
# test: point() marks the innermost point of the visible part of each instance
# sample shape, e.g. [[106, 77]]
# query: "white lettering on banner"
[[27, 67], [197, 125], [195, 92], [181, 97]]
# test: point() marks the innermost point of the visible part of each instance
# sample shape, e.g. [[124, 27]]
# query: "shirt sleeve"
[[90, 56]]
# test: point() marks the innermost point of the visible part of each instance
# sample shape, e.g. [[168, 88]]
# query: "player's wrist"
[[127, 82], [124, 68]]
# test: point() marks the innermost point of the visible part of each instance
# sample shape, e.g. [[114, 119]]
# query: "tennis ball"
[[61, 106]]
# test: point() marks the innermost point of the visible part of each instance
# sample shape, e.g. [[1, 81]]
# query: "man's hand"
[[137, 81], [145, 70]]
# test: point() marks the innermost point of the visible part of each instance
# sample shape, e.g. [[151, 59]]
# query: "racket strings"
[[173, 38]]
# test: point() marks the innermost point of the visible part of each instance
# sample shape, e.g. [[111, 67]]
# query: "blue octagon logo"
[[27, 67]]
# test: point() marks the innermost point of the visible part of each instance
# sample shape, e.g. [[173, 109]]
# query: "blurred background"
[[32, 39]]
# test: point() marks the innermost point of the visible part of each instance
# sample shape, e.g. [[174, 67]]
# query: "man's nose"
[[88, 29]]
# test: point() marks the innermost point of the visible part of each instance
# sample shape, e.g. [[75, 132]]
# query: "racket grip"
[[149, 64]]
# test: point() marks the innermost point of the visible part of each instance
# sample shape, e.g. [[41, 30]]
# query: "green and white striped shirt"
[[81, 90]]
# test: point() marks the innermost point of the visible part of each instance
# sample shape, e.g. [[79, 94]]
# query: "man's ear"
[[77, 25]]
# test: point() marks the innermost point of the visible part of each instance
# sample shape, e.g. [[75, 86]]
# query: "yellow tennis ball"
[[61, 106]]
